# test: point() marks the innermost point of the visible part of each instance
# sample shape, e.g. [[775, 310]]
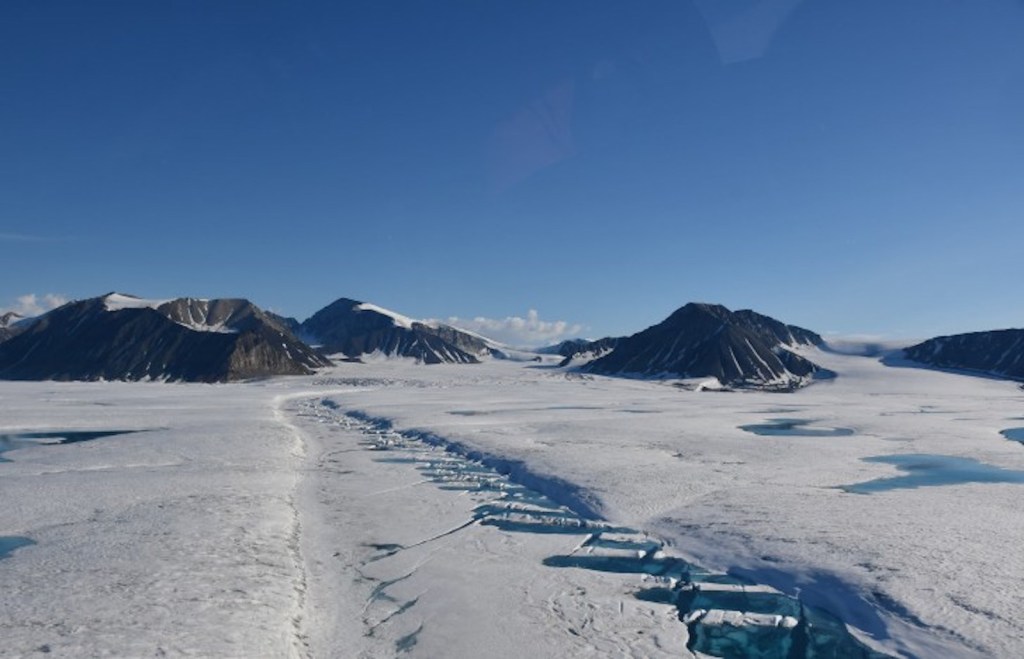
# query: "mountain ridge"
[[998, 353], [702, 340], [120, 337]]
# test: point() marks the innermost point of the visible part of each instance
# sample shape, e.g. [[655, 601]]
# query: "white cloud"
[[516, 331], [33, 305]]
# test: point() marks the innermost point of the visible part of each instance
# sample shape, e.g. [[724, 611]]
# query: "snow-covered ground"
[[256, 520], [177, 540]]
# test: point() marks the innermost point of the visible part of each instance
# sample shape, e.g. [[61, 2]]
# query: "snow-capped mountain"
[[358, 328], [996, 352], [121, 337], [743, 349]]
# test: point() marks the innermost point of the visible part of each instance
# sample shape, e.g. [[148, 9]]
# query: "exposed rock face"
[[996, 352], [232, 315], [707, 340], [356, 328], [117, 337], [775, 331], [287, 322]]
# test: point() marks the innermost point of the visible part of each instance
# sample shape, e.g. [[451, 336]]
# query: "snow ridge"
[[398, 319]]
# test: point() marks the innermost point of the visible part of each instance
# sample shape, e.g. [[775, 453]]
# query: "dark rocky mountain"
[[707, 340], [356, 328], [996, 352], [119, 337]]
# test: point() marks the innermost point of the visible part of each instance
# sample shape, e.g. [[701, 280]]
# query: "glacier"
[[510, 509]]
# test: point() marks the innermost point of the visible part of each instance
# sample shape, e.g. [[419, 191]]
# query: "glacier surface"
[[455, 510]]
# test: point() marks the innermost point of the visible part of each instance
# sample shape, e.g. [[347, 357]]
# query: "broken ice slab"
[[752, 599], [734, 634]]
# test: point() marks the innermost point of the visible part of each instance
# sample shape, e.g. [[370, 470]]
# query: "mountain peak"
[[693, 310], [344, 303], [361, 328], [708, 340], [123, 337]]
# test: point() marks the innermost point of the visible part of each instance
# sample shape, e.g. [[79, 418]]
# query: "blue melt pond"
[[9, 543], [9, 442], [925, 470], [1014, 434], [794, 428]]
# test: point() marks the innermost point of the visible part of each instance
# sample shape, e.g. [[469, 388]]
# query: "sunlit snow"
[[398, 319], [509, 509], [117, 302]]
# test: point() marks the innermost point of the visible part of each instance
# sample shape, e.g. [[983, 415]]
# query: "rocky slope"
[[356, 328], [120, 337], [996, 352]]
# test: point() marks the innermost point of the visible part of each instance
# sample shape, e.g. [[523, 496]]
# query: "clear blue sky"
[[852, 167]]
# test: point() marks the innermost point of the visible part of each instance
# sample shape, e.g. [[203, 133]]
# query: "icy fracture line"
[[723, 615]]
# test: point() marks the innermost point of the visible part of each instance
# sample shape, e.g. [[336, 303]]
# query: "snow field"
[[924, 572], [172, 541], [259, 520]]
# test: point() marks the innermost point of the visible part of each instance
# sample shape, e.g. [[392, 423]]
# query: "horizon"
[[514, 331], [567, 170]]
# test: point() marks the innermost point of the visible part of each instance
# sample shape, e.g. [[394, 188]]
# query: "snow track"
[[300, 638]]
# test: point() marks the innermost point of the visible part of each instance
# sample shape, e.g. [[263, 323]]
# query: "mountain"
[[569, 347], [9, 325], [358, 328], [996, 352], [289, 323], [577, 351], [120, 337], [742, 349]]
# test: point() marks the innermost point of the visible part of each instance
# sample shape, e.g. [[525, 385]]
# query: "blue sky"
[[853, 167]]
